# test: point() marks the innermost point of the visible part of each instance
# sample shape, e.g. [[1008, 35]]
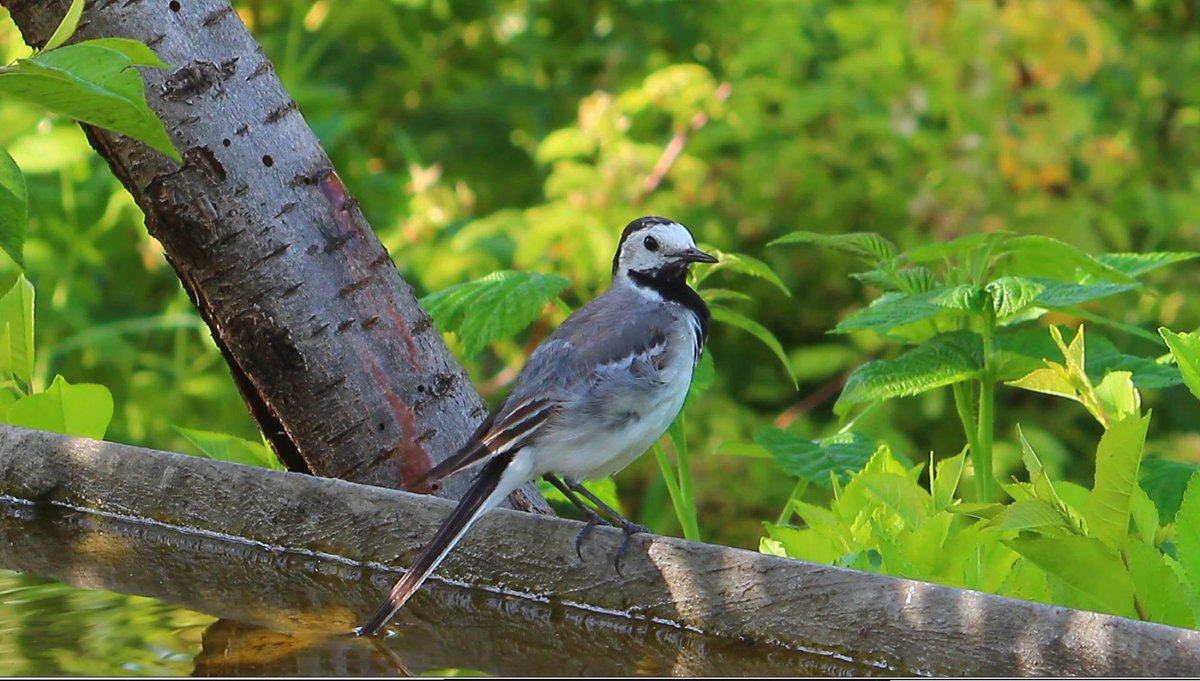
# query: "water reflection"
[[279, 613]]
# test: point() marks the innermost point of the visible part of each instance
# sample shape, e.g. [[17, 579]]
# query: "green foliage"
[[1185, 348], [14, 207], [81, 409], [225, 447], [496, 306], [816, 461]]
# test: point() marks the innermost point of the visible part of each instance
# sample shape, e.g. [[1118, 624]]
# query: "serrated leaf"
[[762, 333], [1020, 351], [66, 27], [225, 447], [745, 264], [1041, 256], [1090, 568], [963, 245], [1187, 531], [1117, 458], [14, 208], [1185, 348], [1165, 482], [899, 495], [911, 280], [89, 83], [1164, 598], [1011, 295], [869, 246], [1051, 380], [494, 307], [82, 409], [1028, 514], [1060, 294], [896, 309], [1144, 514], [16, 317], [1137, 264], [814, 461], [941, 361]]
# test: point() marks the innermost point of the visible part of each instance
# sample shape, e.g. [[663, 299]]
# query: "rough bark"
[[528, 562], [341, 368]]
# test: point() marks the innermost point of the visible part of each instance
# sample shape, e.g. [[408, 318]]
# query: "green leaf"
[[962, 246], [814, 461], [66, 27], [1028, 514], [1011, 295], [1144, 514], [1185, 348], [1164, 598], [1117, 459], [1165, 482], [897, 309], [494, 307], [727, 316], [1117, 395], [89, 83], [16, 318], [137, 52], [940, 361], [82, 410], [1090, 568], [1041, 256], [1187, 531], [899, 495], [869, 246], [225, 447], [1137, 264], [945, 478], [1061, 294], [14, 208], [604, 488], [910, 280], [744, 264]]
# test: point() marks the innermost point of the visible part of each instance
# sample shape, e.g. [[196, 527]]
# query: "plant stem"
[[982, 454], [797, 490], [691, 527], [672, 482], [968, 416]]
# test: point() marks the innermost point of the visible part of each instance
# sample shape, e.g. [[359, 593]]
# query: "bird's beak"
[[694, 255]]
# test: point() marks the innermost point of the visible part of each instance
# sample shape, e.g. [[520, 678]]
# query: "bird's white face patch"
[[652, 247]]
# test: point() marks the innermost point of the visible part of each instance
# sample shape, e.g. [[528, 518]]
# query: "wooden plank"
[[903, 625]]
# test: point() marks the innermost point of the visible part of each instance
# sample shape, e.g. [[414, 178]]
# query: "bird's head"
[[658, 248]]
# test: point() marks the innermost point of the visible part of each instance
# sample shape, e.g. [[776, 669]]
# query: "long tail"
[[485, 493]]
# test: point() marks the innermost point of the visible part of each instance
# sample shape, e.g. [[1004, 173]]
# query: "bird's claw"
[[630, 529], [593, 520]]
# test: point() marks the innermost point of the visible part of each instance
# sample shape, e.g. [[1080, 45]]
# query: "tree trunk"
[[342, 369]]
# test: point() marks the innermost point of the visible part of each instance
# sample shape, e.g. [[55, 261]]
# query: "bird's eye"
[[650, 243]]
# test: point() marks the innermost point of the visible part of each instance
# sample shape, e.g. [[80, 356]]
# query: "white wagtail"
[[591, 399]]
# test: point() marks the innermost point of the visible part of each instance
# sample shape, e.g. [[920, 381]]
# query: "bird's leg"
[[627, 526], [593, 517]]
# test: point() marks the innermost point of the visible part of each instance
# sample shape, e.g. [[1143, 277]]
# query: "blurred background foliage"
[[517, 134]]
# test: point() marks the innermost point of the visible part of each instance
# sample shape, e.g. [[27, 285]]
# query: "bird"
[[594, 396]]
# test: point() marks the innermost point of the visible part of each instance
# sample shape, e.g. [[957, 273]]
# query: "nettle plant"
[[966, 309]]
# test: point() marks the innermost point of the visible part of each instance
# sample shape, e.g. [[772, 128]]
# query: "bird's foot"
[[593, 521], [630, 529]]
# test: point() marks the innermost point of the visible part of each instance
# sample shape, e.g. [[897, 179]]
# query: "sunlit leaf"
[[225, 447], [946, 476], [1185, 348], [895, 309], [1028, 514], [1092, 569], [1117, 458], [1165, 599], [14, 208], [16, 316], [910, 280], [494, 307], [137, 52], [90, 83], [1118, 396], [66, 27], [1187, 531], [81, 409]]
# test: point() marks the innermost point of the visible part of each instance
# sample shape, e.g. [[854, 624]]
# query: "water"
[[82, 593]]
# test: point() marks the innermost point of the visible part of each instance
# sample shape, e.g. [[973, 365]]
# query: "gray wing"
[[604, 344]]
